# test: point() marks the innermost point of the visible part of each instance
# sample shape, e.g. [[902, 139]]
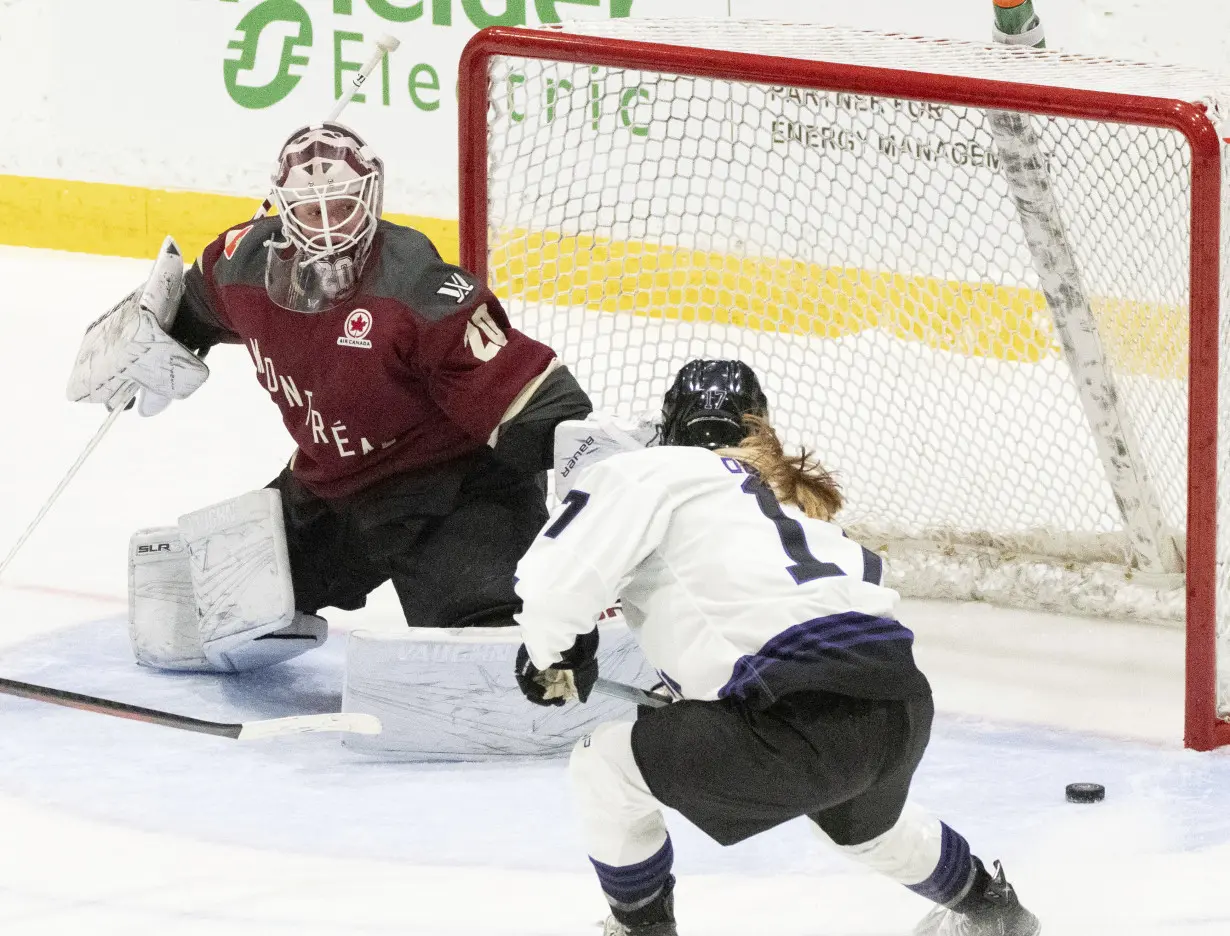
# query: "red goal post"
[[1022, 248]]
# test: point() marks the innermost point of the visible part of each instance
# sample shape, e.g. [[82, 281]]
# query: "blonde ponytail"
[[799, 479]]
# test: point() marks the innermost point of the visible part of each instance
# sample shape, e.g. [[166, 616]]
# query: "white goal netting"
[[980, 320]]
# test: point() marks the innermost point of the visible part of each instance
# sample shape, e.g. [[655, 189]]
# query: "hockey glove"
[[573, 677]]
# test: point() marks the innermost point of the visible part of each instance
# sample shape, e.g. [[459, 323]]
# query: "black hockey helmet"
[[706, 404]]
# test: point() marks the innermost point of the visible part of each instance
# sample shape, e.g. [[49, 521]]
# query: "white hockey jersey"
[[730, 594]]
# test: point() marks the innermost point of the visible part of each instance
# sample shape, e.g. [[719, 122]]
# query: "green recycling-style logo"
[[274, 38]]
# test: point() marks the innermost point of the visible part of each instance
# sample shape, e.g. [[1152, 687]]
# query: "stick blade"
[[353, 722], [631, 694]]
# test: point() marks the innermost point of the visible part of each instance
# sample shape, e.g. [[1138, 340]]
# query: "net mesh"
[[866, 255]]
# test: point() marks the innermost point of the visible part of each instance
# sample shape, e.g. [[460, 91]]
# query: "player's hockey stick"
[[384, 45], [618, 690], [354, 722]]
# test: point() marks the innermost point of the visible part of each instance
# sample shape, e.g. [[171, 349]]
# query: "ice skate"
[[991, 908], [656, 918], [615, 928]]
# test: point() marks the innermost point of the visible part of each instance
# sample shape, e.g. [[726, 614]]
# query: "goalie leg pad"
[[241, 577], [162, 625], [305, 632], [450, 694]]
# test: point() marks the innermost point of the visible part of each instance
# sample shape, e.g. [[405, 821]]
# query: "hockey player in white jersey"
[[796, 688]]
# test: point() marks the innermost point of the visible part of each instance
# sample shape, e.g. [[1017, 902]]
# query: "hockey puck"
[[1085, 792]]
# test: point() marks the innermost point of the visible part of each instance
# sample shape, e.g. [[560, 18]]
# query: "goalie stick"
[[353, 722], [384, 45]]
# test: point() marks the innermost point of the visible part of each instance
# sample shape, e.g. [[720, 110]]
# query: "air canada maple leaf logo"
[[359, 323]]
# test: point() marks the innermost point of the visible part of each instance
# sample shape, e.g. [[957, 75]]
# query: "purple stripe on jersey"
[[811, 642], [951, 874], [631, 884], [798, 641]]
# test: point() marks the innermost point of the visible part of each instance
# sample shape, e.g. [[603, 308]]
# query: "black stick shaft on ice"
[[356, 722], [118, 709]]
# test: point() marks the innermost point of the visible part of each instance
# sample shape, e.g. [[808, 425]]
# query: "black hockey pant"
[[450, 545], [734, 771]]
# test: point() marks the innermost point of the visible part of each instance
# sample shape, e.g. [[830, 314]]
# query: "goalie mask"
[[706, 404], [329, 188]]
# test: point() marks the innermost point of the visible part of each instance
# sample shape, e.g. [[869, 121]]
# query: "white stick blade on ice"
[[355, 722]]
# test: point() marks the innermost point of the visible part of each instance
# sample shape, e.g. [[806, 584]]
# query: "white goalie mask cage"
[[328, 186]]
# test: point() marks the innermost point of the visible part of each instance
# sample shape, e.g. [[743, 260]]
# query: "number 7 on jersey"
[[575, 500]]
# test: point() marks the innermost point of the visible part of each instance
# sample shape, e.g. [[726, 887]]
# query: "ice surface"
[[118, 827]]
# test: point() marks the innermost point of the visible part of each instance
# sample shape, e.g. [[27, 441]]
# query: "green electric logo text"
[[275, 37], [269, 53]]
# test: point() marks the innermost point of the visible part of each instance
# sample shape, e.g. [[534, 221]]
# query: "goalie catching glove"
[[573, 677], [130, 345]]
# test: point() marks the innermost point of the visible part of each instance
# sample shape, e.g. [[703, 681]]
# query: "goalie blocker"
[[214, 593]]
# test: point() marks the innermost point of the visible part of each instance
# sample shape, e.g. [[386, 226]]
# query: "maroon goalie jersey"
[[415, 370]]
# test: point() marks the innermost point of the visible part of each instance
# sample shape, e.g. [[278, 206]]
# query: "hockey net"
[[981, 283]]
